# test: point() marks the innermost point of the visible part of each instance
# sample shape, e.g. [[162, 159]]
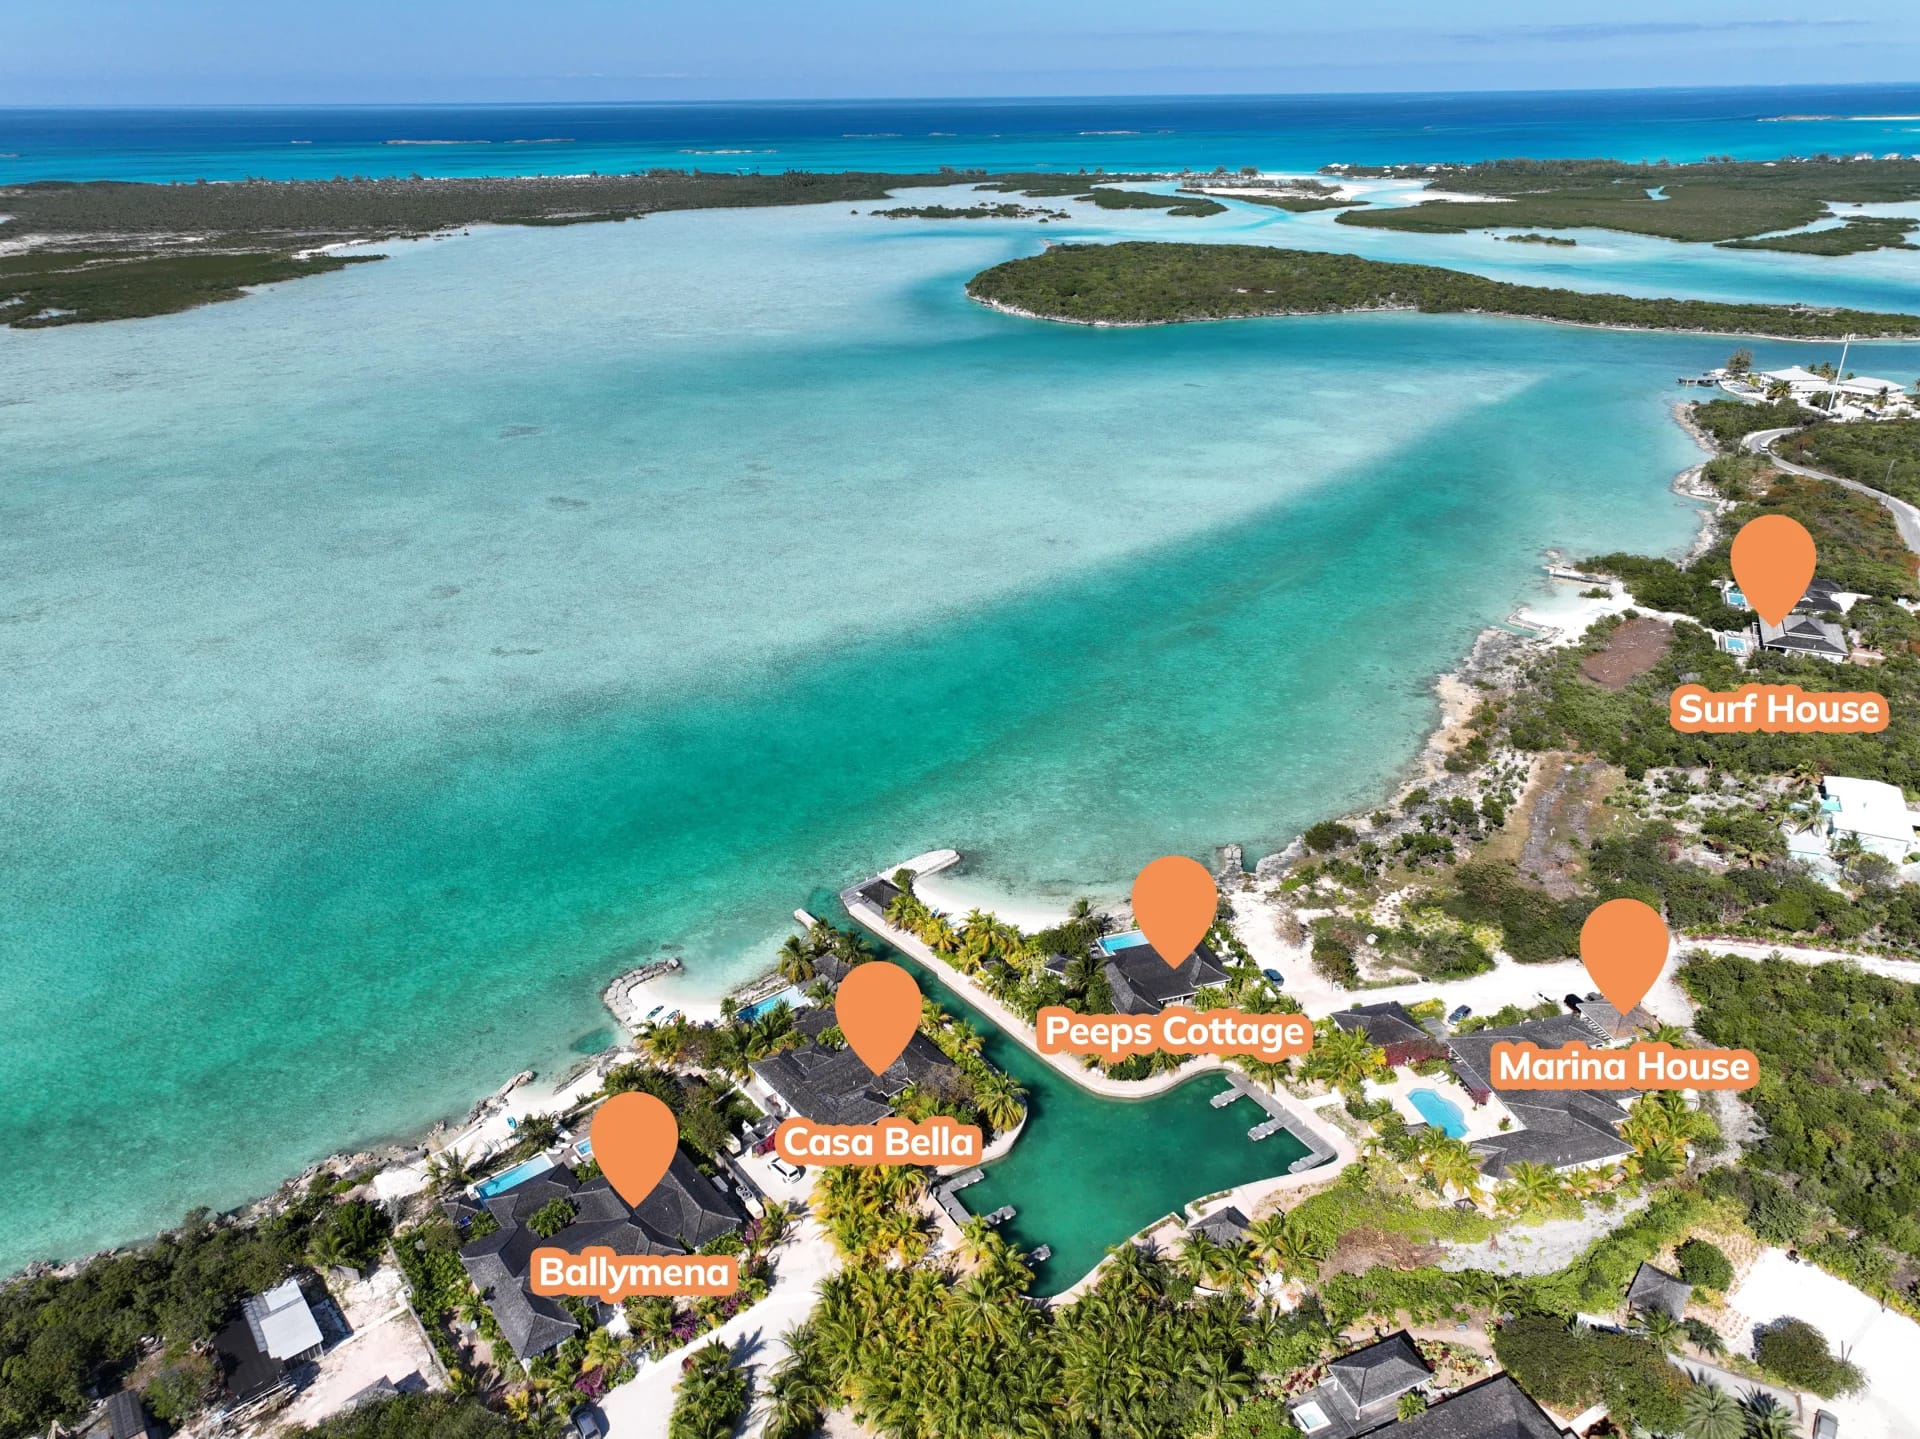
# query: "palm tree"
[[1711, 1414], [1218, 1386], [1410, 1406], [1530, 1186], [667, 1043], [1200, 1257], [1767, 1417], [447, 1171], [1658, 1327], [605, 1351], [1238, 1269], [796, 960], [1342, 1058], [1001, 1100], [1449, 1164], [1283, 1244]]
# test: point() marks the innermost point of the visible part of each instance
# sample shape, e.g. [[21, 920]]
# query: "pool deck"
[[1482, 1120]]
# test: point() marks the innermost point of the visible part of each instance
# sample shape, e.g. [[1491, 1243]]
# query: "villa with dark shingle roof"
[[1144, 983], [833, 1086], [1361, 1390], [1223, 1226], [685, 1211], [1656, 1289], [1495, 1408], [1392, 1028], [1560, 1128]]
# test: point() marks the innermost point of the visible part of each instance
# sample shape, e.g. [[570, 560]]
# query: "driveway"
[[1905, 516]]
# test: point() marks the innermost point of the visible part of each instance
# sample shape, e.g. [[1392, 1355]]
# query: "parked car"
[[1273, 977], [1459, 1014], [586, 1425], [786, 1171], [1825, 1426]]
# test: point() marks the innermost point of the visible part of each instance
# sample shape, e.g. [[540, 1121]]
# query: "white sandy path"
[[639, 1408], [1506, 983], [1885, 1345], [1906, 970]]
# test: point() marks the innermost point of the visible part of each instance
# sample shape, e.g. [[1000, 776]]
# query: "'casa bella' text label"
[[1776, 709], [1636, 1066], [1177, 1030], [938, 1141]]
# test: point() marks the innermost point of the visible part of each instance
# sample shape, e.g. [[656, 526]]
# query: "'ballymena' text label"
[[1178, 1030], [601, 1273], [1776, 709], [939, 1140], [1637, 1066]]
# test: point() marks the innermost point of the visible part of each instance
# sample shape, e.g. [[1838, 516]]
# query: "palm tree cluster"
[[1342, 1059], [1660, 1127], [1279, 1244], [872, 1211], [922, 1352]]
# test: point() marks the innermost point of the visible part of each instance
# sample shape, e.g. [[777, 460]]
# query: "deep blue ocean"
[[1270, 131]]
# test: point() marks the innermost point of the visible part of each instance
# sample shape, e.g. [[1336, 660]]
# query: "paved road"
[[1905, 516]]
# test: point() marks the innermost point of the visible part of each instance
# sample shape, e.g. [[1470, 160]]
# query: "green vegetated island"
[[1140, 282], [109, 250], [1740, 204]]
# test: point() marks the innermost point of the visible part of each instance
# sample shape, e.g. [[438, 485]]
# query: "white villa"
[[1869, 810], [1852, 398]]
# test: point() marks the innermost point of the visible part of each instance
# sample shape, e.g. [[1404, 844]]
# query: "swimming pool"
[[506, 1179], [1114, 943], [1439, 1111], [793, 997]]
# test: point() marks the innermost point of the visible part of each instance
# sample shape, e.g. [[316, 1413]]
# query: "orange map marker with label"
[[634, 1137], [1773, 561], [1174, 899], [878, 1009], [1623, 944]]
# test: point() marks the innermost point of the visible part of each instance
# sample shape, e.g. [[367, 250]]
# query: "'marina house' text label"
[[1637, 1066]]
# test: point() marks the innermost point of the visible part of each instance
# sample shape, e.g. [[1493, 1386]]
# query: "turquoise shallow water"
[[388, 659]]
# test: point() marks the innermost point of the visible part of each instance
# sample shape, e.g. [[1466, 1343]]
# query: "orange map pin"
[[1624, 947], [633, 1138], [1174, 899], [878, 1009], [1773, 560]]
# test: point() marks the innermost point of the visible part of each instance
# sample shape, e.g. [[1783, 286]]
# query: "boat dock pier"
[[1279, 1117], [1000, 1216], [1224, 1097], [622, 995]]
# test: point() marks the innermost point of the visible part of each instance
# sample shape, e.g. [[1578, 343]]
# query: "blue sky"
[[257, 51]]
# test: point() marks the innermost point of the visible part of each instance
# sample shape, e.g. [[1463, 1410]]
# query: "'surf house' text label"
[[1776, 709], [939, 1140], [1637, 1066], [1177, 1030], [600, 1273]]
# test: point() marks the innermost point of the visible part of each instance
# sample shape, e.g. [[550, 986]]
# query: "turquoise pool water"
[[507, 1178], [1114, 943], [793, 997], [1439, 1111]]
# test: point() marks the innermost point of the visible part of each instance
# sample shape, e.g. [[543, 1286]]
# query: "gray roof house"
[[127, 1416], [685, 1211], [833, 1086], [1390, 1026], [1361, 1390], [1609, 1024], [1144, 983], [1495, 1408], [1223, 1226], [1802, 634], [1560, 1128], [1656, 1289]]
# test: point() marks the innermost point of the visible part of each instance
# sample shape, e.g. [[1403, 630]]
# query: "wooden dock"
[[1000, 1216], [1225, 1097], [1042, 1254]]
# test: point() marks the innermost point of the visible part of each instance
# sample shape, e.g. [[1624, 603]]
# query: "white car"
[[786, 1171]]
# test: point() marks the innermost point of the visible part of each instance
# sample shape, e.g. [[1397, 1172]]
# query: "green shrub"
[[1704, 1265], [1798, 1353]]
